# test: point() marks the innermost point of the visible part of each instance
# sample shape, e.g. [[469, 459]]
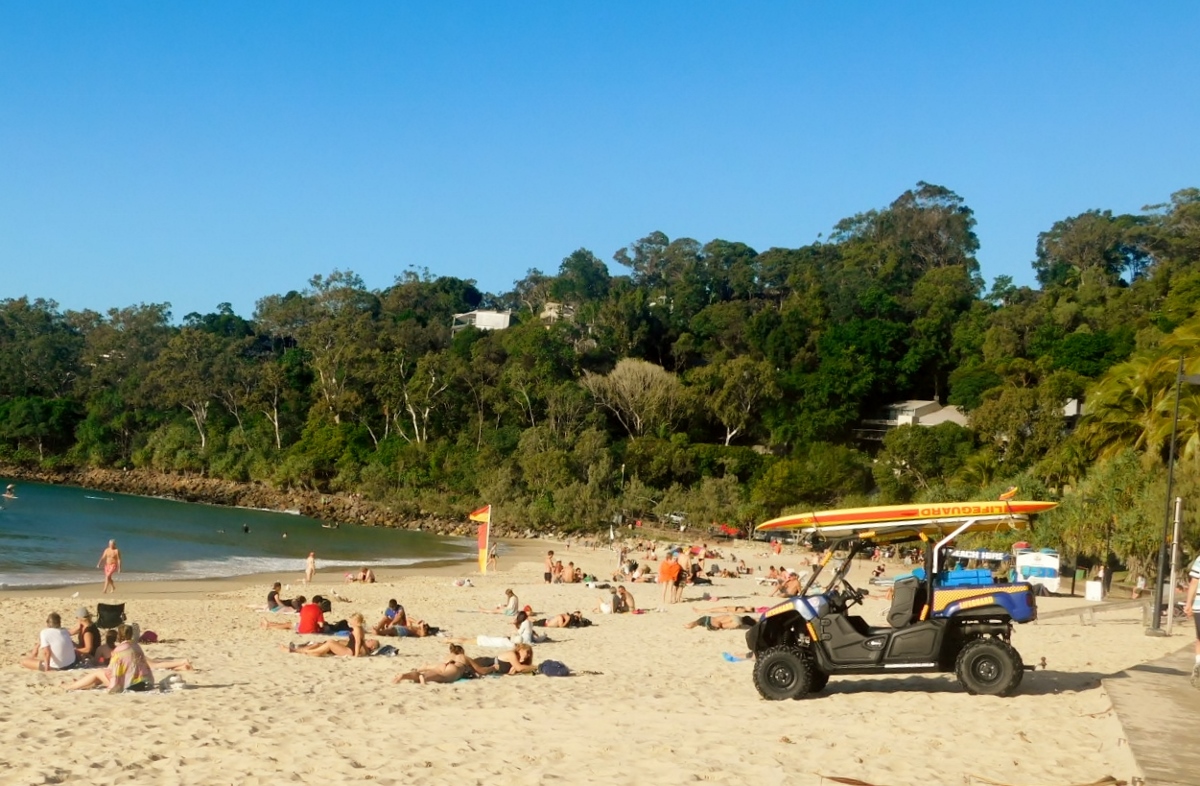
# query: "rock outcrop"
[[341, 508]]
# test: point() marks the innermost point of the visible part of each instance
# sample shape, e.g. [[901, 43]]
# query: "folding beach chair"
[[109, 615]]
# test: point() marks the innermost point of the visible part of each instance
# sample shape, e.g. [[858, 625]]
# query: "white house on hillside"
[[482, 320]]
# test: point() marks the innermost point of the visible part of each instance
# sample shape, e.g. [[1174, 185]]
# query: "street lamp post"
[[1155, 628]]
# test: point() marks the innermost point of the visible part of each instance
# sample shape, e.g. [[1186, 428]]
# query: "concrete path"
[[1160, 712]]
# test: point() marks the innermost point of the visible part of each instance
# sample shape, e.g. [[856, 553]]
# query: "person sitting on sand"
[[723, 622], [450, 671], [104, 651], [88, 637], [510, 606], [128, 670], [568, 574], [789, 587], [556, 573], [393, 615], [276, 603], [573, 619], [55, 651], [364, 576], [624, 601], [356, 646], [311, 618]]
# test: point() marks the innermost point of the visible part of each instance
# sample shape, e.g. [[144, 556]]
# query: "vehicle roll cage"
[[869, 539]]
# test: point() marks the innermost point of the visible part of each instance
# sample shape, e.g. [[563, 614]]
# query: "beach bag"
[[554, 668]]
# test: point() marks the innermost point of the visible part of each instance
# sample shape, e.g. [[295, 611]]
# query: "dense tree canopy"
[[706, 378]]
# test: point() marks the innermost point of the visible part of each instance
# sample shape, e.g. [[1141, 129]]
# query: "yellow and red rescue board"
[[991, 515]]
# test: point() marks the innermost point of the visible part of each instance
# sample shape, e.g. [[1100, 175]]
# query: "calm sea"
[[53, 536]]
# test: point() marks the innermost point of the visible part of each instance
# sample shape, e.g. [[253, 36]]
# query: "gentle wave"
[[189, 570]]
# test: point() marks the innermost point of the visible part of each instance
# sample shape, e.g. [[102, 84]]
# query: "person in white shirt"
[[55, 650]]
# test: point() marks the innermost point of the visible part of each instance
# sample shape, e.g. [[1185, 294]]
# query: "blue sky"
[[208, 152]]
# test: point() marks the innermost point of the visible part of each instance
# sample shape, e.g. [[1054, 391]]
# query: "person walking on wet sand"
[[110, 560], [310, 567]]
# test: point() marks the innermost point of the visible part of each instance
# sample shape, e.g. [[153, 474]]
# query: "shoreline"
[[350, 509], [515, 553]]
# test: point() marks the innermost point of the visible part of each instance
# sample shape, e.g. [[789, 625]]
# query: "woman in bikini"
[[451, 671], [356, 646], [572, 619]]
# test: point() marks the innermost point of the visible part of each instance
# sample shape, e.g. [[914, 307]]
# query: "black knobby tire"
[[989, 667], [782, 673]]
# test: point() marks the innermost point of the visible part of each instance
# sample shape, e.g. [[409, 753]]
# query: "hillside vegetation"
[[710, 380]]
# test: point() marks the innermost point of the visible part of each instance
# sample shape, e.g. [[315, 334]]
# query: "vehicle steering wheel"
[[851, 594]]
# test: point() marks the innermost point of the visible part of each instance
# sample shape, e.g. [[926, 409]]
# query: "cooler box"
[[977, 577]]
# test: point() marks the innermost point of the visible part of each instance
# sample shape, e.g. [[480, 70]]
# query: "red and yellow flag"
[[484, 517]]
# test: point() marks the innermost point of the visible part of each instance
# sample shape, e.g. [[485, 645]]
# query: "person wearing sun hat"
[[88, 634]]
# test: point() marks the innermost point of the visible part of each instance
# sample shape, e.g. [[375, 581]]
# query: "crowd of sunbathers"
[[352, 638]]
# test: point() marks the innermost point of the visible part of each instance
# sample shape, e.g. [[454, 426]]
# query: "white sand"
[[664, 707]]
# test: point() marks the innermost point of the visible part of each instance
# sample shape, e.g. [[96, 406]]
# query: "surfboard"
[[1000, 513]]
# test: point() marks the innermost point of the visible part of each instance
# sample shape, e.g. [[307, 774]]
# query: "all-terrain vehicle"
[[940, 620]]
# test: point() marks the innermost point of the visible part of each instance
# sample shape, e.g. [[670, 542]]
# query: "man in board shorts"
[[1193, 610], [549, 574], [111, 560]]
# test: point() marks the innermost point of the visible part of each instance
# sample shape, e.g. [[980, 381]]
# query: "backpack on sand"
[[553, 668]]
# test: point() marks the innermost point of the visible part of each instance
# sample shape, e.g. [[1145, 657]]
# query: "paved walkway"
[[1160, 712]]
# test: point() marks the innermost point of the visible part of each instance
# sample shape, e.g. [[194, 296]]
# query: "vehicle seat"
[[908, 596]]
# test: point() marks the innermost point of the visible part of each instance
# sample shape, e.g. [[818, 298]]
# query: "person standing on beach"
[[549, 574], [1192, 607], [492, 561], [110, 560], [310, 567]]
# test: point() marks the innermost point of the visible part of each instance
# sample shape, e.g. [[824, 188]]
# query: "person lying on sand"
[[451, 671], [416, 630], [518, 660], [573, 619], [523, 635], [734, 609], [356, 646], [723, 622]]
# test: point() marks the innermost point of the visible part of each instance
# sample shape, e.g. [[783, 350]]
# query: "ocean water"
[[53, 536]]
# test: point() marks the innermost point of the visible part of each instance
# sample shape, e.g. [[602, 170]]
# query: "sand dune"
[[662, 705]]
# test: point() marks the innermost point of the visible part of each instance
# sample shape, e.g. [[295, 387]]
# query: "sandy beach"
[[652, 702]]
